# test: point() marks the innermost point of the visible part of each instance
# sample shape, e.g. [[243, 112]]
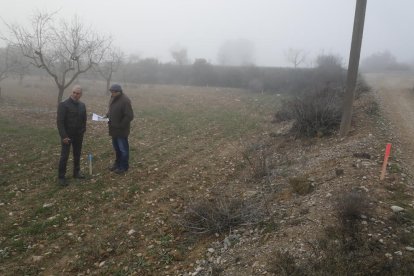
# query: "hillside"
[[286, 206]]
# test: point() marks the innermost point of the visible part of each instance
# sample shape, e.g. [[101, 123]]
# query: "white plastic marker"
[[384, 165], [90, 163]]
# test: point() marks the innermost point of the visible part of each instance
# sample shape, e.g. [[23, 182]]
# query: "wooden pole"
[[353, 66]]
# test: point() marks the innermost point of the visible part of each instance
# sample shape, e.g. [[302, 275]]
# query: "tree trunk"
[[60, 95]]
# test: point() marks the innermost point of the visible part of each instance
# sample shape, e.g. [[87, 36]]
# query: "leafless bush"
[[344, 249], [336, 254], [315, 114], [283, 114], [256, 157], [220, 215], [350, 207], [283, 263]]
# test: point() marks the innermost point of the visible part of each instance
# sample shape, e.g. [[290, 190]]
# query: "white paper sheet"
[[96, 117]]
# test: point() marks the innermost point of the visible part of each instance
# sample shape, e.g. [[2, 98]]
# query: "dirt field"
[[186, 143], [189, 144]]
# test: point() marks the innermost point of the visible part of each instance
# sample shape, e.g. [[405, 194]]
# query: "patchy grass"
[[184, 142], [202, 155]]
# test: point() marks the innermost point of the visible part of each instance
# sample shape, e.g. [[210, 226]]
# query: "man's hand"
[[66, 140]]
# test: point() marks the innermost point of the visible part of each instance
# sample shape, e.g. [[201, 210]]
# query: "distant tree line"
[[67, 51], [383, 61], [328, 71]]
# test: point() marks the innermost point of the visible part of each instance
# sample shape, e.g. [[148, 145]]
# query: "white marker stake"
[[90, 163]]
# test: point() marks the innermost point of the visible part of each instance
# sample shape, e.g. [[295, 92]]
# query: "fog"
[[153, 28]]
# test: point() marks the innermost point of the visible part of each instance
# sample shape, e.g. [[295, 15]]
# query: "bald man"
[[71, 123]]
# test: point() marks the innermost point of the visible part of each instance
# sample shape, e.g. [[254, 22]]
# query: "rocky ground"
[[296, 225]]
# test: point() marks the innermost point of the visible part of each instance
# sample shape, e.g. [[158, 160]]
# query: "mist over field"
[[246, 32]]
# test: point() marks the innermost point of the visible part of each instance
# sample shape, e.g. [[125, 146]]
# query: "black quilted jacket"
[[71, 118]]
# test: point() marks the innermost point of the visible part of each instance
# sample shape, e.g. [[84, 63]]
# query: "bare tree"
[[64, 51], [4, 63], [180, 56], [295, 56], [20, 64], [7, 63], [109, 64]]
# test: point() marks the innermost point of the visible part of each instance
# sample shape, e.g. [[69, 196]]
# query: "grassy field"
[[186, 143]]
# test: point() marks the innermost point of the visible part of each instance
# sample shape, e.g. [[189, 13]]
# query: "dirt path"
[[396, 98]]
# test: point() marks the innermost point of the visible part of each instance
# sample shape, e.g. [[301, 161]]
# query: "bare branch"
[[295, 56], [109, 64], [63, 50]]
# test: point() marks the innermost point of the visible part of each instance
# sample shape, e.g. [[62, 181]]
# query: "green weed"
[[165, 240]]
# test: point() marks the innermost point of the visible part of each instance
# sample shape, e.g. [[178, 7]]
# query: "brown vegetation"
[[214, 188]]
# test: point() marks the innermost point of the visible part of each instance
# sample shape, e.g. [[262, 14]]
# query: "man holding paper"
[[120, 115]]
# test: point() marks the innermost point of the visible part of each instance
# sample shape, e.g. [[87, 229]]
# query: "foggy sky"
[[151, 28]]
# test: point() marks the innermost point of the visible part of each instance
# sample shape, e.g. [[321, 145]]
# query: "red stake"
[[384, 165]]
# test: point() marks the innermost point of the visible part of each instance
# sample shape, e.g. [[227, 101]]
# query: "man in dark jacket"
[[71, 123], [120, 115]]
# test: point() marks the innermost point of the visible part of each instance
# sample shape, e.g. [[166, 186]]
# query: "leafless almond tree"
[[8, 62], [64, 50], [295, 56], [109, 64]]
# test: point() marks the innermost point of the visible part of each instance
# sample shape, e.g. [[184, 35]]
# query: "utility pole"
[[354, 55]]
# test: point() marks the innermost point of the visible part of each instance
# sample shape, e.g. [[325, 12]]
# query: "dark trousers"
[[76, 143], [121, 147]]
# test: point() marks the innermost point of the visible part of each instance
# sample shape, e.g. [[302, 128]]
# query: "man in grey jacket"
[[71, 123], [120, 115]]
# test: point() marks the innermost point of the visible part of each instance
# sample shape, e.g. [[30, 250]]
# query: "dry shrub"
[[350, 207], [220, 215], [315, 114], [256, 157], [301, 185], [283, 263], [344, 249], [283, 114], [337, 257]]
